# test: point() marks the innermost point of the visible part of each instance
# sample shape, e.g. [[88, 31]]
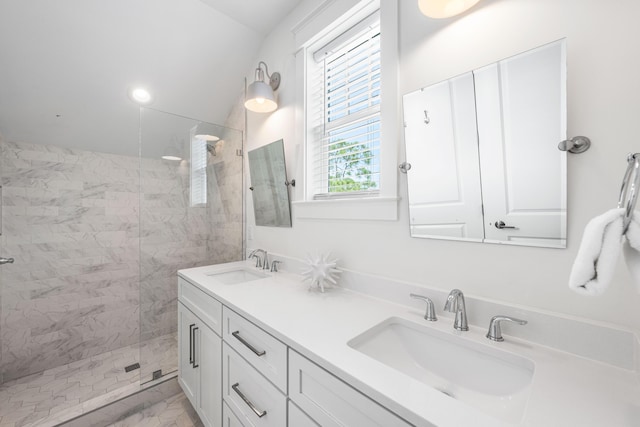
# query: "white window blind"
[[198, 172], [344, 112]]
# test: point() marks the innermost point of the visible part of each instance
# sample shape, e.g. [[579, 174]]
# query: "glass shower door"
[[190, 216]]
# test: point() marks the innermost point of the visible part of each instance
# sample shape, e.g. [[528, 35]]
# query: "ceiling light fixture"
[[211, 138], [172, 150], [140, 96], [260, 96], [444, 8]]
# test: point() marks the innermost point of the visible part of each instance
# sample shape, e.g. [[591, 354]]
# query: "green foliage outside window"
[[350, 167]]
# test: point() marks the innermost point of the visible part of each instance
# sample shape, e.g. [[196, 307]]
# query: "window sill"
[[371, 208]]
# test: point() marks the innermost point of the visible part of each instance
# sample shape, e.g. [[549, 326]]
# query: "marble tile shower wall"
[[175, 235], [71, 221], [96, 260]]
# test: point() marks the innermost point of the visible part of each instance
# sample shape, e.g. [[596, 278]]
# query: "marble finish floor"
[[175, 411], [67, 391]]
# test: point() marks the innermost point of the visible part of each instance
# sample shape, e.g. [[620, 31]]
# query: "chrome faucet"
[[455, 304], [264, 262]]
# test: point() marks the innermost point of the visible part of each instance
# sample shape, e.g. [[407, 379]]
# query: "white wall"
[[603, 91]]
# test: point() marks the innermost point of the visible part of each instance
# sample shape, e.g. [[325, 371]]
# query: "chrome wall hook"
[[404, 167], [575, 145]]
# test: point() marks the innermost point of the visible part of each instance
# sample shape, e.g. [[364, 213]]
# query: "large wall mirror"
[[483, 150], [269, 185]]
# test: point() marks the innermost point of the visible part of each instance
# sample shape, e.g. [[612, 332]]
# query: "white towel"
[[598, 254]]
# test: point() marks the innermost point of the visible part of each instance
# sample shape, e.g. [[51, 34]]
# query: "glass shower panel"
[[190, 216]]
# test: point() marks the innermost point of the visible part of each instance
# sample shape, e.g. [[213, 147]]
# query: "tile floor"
[[76, 388], [175, 411]]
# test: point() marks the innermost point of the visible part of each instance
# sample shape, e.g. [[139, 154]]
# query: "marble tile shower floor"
[[67, 391]]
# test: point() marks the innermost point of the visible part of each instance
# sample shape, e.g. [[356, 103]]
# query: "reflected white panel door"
[[442, 143], [521, 119]]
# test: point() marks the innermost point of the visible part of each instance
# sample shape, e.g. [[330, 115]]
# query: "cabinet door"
[[297, 418], [229, 419], [188, 376], [331, 402], [209, 363]]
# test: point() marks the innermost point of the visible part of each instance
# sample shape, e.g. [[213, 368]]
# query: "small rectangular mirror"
[[269, 185], [483, 149]]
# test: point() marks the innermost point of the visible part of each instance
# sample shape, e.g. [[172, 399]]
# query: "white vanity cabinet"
[[298, 418], [330, 402], [264, 352], [255, 401], [237, 375], [200, 352]]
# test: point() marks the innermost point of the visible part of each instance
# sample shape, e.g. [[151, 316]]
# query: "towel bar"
[[629, 189]]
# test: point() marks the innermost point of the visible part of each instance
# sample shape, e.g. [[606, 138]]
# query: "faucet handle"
[[430, 314], [258, 260], [274, 265], [495, 332]]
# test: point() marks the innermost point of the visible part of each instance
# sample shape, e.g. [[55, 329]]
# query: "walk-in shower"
[[88, 308]]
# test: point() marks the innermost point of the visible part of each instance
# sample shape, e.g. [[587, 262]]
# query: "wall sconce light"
[[444, 8], [260, 96]]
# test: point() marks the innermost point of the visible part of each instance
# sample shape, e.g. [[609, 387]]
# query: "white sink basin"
[[240, 275], [489, 379]]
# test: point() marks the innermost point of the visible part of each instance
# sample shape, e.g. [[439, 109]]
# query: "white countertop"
[[567, 390]]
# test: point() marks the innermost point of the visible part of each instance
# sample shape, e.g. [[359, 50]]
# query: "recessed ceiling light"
[[140, 96]]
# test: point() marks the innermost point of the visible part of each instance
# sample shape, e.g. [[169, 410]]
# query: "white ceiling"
[[261, 15], [66, 65]]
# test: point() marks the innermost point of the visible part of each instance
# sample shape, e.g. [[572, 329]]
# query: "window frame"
[[328, 24], [197, 171]]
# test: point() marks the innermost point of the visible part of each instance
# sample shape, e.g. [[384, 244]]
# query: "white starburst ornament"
[[322, 270]]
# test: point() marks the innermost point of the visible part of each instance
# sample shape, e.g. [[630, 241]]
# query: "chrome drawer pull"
[[255, 410], [258, 353]]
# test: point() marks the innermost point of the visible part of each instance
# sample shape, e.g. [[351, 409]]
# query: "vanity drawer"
[[202, 305], [297, 418], [229, 419], [331, 402], [264, 352], [252, 398]]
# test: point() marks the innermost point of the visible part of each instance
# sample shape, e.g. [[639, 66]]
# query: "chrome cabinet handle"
[[191, 343], [6, 261], [195, 365], [495, 332], [258, 353], [194, 347], [501, 225], [430, 314], [259, 413]]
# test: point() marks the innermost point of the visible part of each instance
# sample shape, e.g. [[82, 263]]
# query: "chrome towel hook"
[[629, 189], [575, 145]]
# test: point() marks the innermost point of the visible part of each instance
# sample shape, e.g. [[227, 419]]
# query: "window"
[[344, 113], [347, 53], [198, 191]]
